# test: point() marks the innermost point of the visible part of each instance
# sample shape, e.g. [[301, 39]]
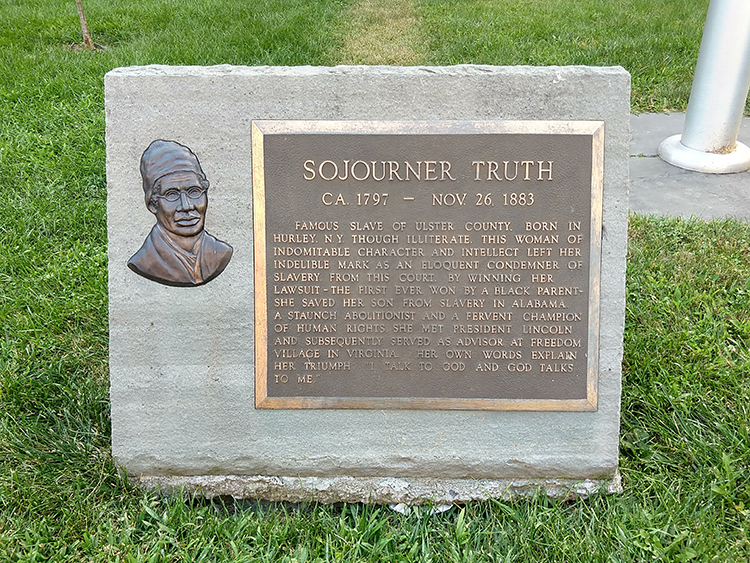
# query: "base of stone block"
[[373, 490]]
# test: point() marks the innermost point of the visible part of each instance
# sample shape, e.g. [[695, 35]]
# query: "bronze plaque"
[[427, 265]]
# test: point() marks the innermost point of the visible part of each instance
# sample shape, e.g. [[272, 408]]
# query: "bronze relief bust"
[[178, 251]]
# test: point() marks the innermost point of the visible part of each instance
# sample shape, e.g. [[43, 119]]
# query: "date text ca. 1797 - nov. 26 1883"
[[427, 265]]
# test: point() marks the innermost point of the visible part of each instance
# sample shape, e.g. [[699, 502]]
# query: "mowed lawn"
[[685, 448]]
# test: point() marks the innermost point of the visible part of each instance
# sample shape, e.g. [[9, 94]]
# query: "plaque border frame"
[[261, 127]]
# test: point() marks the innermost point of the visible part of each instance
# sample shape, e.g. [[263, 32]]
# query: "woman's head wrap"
[[162, 158]]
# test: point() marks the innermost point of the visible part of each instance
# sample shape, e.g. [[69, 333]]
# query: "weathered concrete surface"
[[181, 359], [658, 188], [375, 490]]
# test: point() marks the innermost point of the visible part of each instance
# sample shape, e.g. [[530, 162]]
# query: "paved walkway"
[[662, 189]]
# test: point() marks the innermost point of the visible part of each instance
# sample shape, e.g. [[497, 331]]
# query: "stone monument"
[[412, 291]]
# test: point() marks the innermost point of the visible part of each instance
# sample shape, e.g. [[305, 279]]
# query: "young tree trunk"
[[87, 42]]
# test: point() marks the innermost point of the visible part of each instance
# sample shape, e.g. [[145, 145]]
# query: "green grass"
[[657, 41], [685, 451]]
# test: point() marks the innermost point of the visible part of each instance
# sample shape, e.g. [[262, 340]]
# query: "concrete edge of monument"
[[182, 359], [388, 490]]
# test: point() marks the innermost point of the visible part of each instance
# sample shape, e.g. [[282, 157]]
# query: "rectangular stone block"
[[183, 293]]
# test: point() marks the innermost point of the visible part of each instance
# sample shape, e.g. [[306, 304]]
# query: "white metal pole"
[[717, 100]]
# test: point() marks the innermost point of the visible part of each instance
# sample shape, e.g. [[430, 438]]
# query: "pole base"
[[674, 152]]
